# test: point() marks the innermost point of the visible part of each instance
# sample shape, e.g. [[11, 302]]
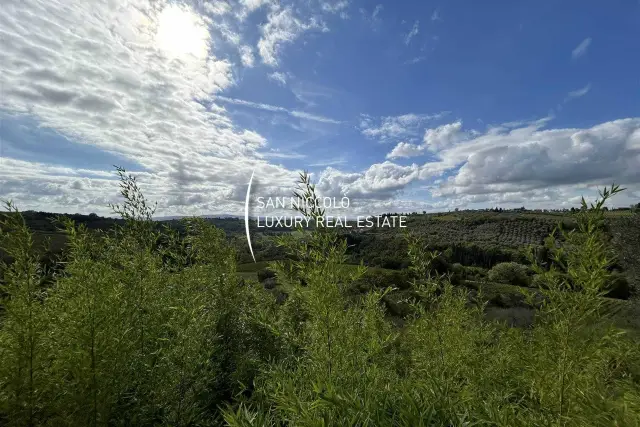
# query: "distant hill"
[[480, 238], [179, 217]]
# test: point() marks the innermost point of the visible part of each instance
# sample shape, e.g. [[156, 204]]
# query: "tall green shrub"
[[23, 346], [510, 273], [144, 326], [150, 326], [448, 365]]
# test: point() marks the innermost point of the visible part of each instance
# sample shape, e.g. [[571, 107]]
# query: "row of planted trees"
[[144, 327]]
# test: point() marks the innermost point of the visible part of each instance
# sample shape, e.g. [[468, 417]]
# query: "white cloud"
[[330, 162], [404, 149], [217, 7], [128, 88], [252, 5], [581, 49], [435, 16], [283, 155], [246, 56], [377, 11], [279, 77], [390, 128], [516, 162], [415, 60], [374, 18], [434, 140], [314, 117], [310, 94], [277, 109], [282, 27], [578, 93], [442, 136], [379, 181], [335, 7], [260, 106], [529, 158], [411, 34]]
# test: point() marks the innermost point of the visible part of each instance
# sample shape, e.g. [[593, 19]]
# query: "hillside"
[[475, 238]]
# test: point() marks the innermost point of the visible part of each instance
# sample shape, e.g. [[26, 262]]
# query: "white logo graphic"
[[246, 216], [325, 221]]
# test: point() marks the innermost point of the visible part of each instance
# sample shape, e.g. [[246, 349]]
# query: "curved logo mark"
[[246, 216]]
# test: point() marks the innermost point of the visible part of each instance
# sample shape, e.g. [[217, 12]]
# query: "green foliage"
[[450, 366], [265, 274], [379, 278], [142, 327], [149, 326], [511, 273], [23, 393]]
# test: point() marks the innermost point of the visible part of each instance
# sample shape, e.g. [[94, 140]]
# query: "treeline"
[[49, 222]]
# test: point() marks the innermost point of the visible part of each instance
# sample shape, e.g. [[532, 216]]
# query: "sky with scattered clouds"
[[398, 105]]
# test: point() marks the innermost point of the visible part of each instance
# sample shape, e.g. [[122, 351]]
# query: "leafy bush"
[[136, 329], [539, 281], [511, 273], [375, 278], [522, 317], [143, 330], [265, 274], [458, 268], [269, 283], [475, 273], [449, 366]]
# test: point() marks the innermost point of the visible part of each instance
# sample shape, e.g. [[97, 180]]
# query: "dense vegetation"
[[472, 242], [149, 325]]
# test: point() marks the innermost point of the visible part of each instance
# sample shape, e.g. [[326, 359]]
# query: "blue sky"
[[400, 105]]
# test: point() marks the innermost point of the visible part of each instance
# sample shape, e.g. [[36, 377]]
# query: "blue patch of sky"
[[495, 61], [22, 138], [486, 62]]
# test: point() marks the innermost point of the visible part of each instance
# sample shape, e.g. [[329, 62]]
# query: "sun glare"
[[182, 33]]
